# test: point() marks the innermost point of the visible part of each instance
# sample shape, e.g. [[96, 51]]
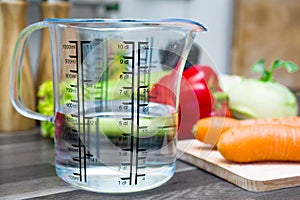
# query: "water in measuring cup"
[[109, 152]]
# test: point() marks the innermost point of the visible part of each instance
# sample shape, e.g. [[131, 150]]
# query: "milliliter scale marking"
[[82, 157], [82, 169]]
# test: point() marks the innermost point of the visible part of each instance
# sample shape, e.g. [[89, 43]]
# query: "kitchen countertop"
[[28, 172]]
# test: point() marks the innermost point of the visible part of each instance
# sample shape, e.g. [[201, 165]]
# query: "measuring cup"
[[115, 127]]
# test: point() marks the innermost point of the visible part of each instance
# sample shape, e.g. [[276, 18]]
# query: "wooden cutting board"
[[257, 177]]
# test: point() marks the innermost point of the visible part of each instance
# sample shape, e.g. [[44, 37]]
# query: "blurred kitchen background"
[[216, 15], [240, 32]]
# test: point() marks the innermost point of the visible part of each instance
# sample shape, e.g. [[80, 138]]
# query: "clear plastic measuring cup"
[[116, 99]]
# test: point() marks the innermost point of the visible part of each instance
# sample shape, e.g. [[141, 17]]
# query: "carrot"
[[262, 142], [208, 130]]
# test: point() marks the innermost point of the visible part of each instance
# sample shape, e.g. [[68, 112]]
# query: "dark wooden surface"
[[28, 172]]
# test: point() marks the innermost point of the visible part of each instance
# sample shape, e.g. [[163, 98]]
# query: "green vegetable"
[[45, 106], [116, 127], [263, 98]]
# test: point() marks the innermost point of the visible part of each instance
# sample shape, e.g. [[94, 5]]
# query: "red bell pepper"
[[211, 100], [220, 104], [200, 96]]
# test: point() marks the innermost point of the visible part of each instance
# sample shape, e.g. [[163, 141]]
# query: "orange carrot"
[[208, 130], [262, 142]]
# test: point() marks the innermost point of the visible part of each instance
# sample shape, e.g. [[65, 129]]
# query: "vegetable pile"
[[247, 120], [264, 125], [46, 106], [252, 140]]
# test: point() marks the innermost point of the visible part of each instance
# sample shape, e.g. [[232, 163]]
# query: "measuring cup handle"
[[16, 73]]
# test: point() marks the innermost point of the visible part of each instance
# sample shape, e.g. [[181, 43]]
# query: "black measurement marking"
[[127, 72], [141, 175], [125, 118], [132, 109], [170, 126], [127, 88], [144, 67], [143, 127], [135, 120], [82, 133], [82, 43], [143, 86], [127, 103], [97, 137], [74, 115], [78, 107], [150, 47], [88, 155], [129, 57], [125, 164], [138, 107], [143, 104], [76, 159]]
